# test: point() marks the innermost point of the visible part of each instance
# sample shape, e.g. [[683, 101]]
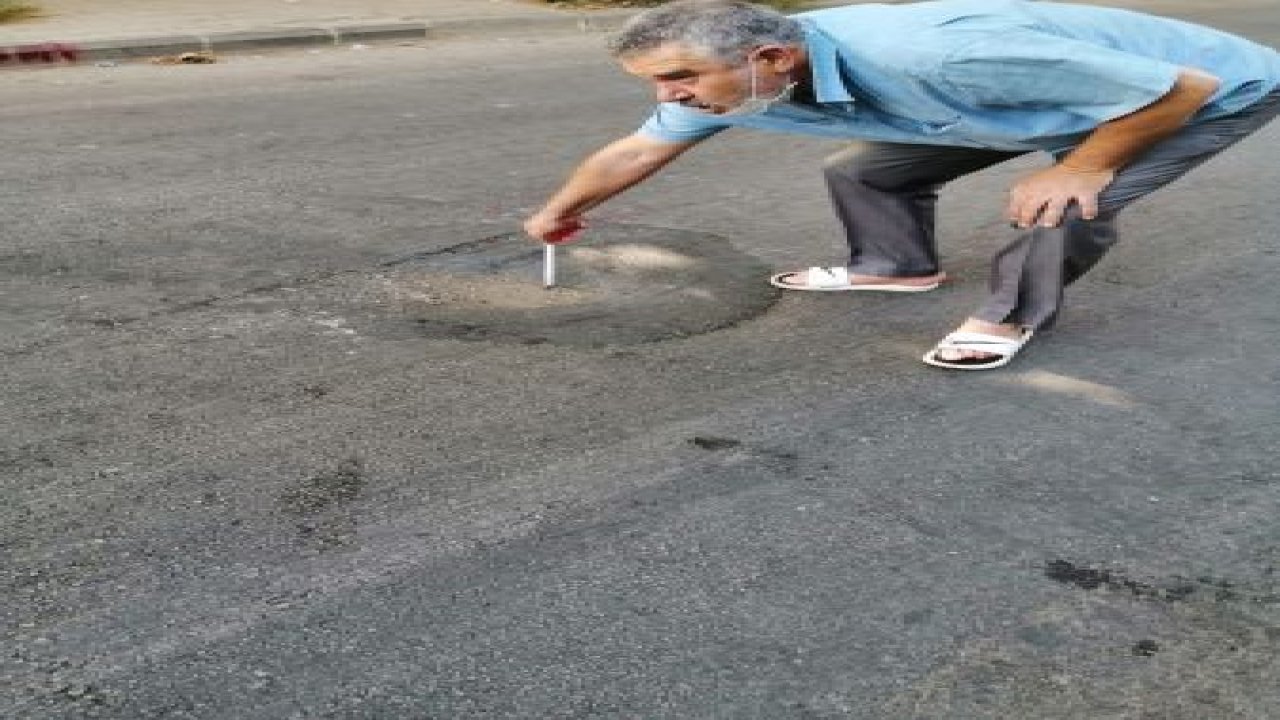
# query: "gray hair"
[[725, 30]]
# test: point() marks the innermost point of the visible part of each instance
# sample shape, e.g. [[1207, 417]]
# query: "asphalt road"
[[245, 476]]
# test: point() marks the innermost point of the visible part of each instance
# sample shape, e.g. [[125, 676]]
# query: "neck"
[[804, 81]]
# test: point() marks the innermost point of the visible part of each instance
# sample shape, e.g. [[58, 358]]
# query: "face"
[[683, 75]]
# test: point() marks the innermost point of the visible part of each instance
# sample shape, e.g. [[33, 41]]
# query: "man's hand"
[[554, 229], [1083, 174], [1043, 197]]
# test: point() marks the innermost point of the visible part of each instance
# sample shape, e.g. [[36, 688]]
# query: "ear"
[[780, 58]]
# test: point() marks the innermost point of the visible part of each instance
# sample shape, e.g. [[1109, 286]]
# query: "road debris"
[[202, 57]]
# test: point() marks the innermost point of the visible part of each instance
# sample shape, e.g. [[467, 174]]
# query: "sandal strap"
[[826, 277], [981, 342]]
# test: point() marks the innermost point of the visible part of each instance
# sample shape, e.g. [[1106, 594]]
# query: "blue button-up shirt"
[[1002, 74]]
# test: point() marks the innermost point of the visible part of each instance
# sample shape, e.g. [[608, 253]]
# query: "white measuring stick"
[[549, 265]]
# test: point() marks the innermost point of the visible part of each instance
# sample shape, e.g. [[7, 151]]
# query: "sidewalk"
[[108, 29]]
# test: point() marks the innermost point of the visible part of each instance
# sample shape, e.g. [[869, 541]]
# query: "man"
[[1124, 102]]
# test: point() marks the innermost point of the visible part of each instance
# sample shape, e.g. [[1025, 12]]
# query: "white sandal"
[[1003, 348], [835, 279]]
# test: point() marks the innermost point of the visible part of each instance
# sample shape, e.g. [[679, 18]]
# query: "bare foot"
[[1004, 330], [934, 279]]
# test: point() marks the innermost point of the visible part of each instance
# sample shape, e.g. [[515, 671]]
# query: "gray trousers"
[[885, 195]]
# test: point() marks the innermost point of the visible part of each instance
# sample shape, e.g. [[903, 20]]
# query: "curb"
[[596, 22], [144, 47]]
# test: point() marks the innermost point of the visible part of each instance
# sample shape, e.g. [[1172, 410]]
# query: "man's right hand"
[[553, 228]]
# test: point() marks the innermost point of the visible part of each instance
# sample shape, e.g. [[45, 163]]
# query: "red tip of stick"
[[560, 236]]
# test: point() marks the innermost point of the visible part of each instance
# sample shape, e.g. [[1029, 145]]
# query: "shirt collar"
[[824, 67]]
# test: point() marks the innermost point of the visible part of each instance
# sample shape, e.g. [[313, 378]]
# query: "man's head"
[[712, 55]]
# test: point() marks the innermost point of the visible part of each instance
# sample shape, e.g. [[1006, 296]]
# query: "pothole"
[[620, 285]]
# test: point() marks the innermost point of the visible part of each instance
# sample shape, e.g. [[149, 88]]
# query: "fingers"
[[1023, 212], [1088, 207], [1044, 197], [1051, 214]]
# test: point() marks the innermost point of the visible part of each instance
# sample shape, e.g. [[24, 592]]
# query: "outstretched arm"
[[609, 171], [1085, 172]]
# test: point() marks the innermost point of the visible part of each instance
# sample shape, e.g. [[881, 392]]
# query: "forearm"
[[1081, 176], [610, 171], [1116, 143]]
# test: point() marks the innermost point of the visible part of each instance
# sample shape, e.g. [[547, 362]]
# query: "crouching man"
[[1123, 102]]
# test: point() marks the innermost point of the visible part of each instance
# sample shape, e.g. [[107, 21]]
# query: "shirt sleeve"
[[1031, 70], [671, 122]]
